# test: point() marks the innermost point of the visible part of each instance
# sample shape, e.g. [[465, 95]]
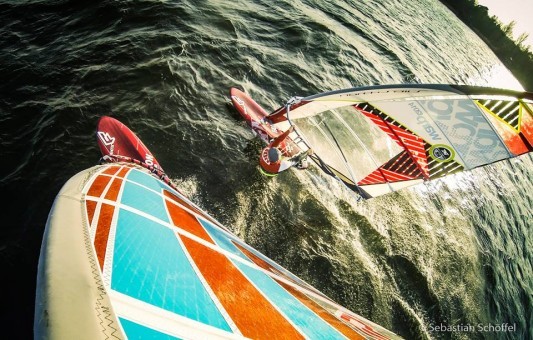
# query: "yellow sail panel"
[[506, 122], [526, 123]]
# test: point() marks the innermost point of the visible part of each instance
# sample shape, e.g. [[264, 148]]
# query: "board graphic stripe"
[[141, 191], [114, 189], [108, 186], [303, 318], [249, 313], [123, 172], [349, 332], [315, 307], [102, 232], [112, 170], [90, 206], [363, 327], [262, 263], [191, 207], [186, 221], [144, 332], [150, 265], [99, 184]]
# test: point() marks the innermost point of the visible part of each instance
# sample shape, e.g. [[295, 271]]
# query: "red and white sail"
[[380, 139]]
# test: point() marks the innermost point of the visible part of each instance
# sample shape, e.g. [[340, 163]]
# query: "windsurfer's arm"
[[301, 156], [281, 137]]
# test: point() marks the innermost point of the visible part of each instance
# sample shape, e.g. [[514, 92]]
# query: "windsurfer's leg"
[[302, 156], [300, 160], [285, 164]]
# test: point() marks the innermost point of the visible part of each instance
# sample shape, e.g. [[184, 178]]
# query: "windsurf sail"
[[381, 139]]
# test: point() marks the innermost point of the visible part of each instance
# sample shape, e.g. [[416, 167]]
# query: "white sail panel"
[[315, 107], [385, 92], [385, 188], [411, 115], [314, 132], [335, 99], [347, 141]]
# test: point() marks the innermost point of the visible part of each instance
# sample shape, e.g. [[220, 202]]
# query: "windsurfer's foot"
[[304, 164]]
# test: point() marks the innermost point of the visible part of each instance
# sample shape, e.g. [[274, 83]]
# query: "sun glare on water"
[[500, 77]]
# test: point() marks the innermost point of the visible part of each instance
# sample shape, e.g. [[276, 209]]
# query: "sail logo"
[[441, 153], [423, 121], [107, 140], [467, 130]]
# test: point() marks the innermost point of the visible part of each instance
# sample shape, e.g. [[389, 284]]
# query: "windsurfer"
[[272, 160]]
